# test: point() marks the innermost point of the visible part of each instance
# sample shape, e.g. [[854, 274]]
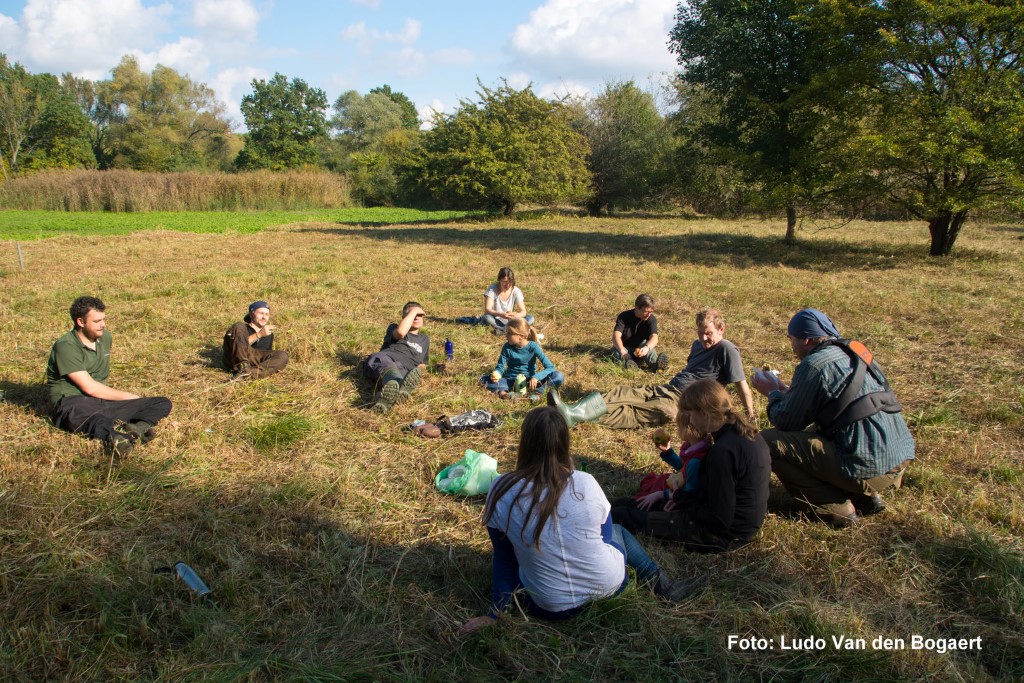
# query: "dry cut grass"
[[132, 191], [331, 556]]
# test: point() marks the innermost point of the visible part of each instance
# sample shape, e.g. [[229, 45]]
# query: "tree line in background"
[[811, 109]]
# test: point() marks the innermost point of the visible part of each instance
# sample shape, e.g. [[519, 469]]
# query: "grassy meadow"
[[315, 522]]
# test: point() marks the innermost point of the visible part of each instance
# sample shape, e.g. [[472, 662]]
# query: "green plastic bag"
[[470, 476]]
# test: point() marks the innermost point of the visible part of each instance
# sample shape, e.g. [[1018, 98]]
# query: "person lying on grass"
[[552, 536], [399, 365], [519, 356], [81, 401], [249, 345], [729, 505]]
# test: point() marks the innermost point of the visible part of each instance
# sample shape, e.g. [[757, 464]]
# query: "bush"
[[125, 191]]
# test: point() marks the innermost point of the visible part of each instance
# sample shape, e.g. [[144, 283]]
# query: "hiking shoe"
[[631, 364], [661, 365], [410, 382], [680, 589], [868, 505], [118, 445], [141, 430], [838, 515], [389, 392]]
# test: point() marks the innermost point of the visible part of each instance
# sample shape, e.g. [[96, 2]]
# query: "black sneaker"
[[680, 589], [118, 445], [141, 430], [661, 365], [868, 505], [631, 364]]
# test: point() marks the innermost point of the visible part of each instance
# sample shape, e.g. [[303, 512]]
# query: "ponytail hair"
[[712, 399], [520, 326]]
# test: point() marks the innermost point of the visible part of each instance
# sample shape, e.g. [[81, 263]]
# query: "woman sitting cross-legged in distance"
[[727, 506], [503, 302], [519, 356], [552, 534]]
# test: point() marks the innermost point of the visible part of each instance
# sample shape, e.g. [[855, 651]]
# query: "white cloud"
[[367, 36], [230, 85], [92, 34], [187, 56], [235, 18], [518, 80], [9, 32], [596, 39], [562, 89], [427, 113]]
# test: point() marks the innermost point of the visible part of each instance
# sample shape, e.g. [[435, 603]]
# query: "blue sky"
[[431, 51]]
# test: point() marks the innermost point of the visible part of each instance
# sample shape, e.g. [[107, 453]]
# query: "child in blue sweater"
[[519, 356]]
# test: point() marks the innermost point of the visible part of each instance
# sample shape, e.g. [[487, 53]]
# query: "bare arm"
[[617, 343], [90, 387], [406, 324], [748, 398]]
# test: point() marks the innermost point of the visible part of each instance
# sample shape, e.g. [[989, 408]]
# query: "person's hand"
[[642, 351], [475, 624], [267, 330], [766, 382], [533, 383], [670, 505], [649, 500]]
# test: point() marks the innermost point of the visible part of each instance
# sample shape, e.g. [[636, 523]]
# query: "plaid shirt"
[[869, 447]]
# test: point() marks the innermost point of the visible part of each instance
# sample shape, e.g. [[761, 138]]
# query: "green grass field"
[[314, 520], [33, 225]]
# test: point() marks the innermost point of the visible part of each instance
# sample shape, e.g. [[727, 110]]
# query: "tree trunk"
[[945, 228], [790, 223], [508, 207]]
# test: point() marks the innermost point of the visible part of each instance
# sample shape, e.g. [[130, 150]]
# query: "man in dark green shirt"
[[81, 401]]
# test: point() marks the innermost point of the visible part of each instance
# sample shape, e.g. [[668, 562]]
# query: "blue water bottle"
[[449, 349]]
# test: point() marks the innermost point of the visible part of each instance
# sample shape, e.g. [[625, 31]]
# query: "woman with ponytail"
[[728, 507]]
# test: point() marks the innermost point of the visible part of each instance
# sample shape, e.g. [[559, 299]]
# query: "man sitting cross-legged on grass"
[[81, 401], [249, 345], [711, 357], [397, 368], [636, 335]]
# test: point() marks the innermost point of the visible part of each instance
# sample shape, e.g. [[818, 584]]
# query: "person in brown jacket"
[[249, 345]]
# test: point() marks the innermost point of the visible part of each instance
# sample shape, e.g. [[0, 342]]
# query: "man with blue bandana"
[[838, 439]]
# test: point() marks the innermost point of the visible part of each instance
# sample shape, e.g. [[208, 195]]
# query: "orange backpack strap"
[[861, 350]]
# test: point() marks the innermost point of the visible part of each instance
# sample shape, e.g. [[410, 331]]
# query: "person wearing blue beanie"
[[839, 439]]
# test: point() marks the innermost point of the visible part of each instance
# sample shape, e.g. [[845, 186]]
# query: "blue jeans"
[[636, 557], [499, 323], [555, 379]]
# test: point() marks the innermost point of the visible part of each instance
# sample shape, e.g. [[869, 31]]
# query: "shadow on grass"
[[213, 355], [708, 249], [35, 397]]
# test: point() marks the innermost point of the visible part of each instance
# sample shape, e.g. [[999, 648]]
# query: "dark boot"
[[677, 591], [868, 505], [587, 409], [390, 384], [118, 445], [410, 382], [838, 515], [142, 430]]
